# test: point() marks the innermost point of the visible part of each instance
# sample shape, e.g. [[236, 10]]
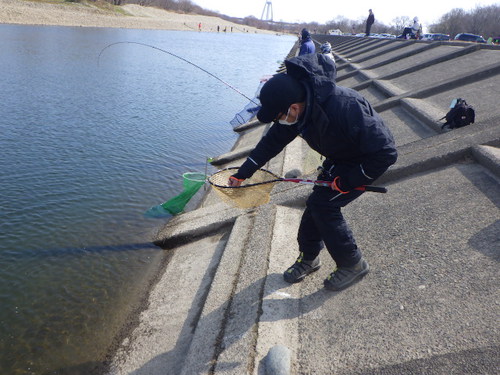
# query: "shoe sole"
[[328, 285], [298, 280]]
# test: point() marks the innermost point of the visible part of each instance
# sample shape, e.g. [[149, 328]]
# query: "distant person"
[[358, 147], [369, 22], [306, 43], [406, 33], [416, 28], [326, 49], [199, 26]]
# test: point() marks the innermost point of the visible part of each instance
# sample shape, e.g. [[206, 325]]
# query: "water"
[[86, 148]]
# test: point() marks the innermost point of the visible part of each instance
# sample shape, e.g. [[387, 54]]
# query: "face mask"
[[284, 122]]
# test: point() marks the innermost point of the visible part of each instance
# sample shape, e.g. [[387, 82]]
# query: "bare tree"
[[486, 21], [483, 21], [342, 23], [399, 23]]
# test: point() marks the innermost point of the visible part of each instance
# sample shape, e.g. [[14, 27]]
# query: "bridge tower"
[[267, 11]]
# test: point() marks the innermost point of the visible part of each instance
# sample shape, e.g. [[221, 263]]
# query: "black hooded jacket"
[[338, 123]]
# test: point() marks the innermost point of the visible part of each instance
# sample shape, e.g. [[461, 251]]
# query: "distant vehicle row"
[[465, 37]]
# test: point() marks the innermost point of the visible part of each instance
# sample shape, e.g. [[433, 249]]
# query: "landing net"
[[253, 192], [192, 182]]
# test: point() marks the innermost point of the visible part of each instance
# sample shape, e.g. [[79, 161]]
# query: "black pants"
[[368, 28], [323, 224]]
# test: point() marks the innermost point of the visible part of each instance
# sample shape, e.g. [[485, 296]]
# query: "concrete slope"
[[431, 302]]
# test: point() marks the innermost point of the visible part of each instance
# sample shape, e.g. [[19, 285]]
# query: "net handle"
[[371, 188]]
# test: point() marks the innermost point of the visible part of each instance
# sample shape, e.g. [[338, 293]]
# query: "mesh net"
[[191, 184], [253, 192]]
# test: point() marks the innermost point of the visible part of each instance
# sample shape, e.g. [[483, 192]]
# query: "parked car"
[[385, 35], [435, 36], [335, 32], [465, 37]]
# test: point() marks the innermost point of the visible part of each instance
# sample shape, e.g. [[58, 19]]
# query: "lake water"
[[87, 146]]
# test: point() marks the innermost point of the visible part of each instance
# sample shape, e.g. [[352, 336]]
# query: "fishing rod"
[[192, 181], [180, 58]]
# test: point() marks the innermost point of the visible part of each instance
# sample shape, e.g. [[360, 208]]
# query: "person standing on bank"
[[306, 43], [341, 125], [369, 22]]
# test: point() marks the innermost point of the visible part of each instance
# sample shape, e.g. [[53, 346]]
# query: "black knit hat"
[[277, 95]]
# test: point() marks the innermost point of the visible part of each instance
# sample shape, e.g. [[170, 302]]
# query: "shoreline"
[[29, 13], [129, 16]]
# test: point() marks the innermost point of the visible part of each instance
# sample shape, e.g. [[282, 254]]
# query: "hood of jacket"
[[316, 70]]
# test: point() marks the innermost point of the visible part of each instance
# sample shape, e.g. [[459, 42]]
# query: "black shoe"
[[342, 277], [300, 269]]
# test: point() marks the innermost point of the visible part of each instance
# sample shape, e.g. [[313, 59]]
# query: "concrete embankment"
[[430, 304]]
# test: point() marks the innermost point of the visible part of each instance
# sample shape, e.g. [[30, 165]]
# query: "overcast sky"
[[322, 11]]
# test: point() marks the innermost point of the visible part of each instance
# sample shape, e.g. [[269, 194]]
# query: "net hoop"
[[262, 176], [253, 192], [194, 176]]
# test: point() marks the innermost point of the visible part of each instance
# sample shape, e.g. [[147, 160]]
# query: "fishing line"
[[192, 182], [180, 58]]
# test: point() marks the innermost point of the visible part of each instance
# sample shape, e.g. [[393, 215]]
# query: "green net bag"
[[192, 182]]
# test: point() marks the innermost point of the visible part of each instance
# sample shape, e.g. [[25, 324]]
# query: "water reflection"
[[86, 150]]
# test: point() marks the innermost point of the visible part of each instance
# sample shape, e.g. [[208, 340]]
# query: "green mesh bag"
[[192, 182]]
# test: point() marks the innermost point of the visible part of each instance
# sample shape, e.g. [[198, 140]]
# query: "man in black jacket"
[[340, 124], [369, 22]]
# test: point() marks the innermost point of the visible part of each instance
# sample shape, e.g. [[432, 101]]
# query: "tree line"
[[483, 20]]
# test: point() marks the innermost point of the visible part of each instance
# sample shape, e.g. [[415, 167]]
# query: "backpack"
[[460, 114]]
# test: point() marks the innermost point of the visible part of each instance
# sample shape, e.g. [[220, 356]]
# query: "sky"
[[321, 11]]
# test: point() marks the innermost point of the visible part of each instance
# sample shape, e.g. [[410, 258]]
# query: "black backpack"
[[460, 115]]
